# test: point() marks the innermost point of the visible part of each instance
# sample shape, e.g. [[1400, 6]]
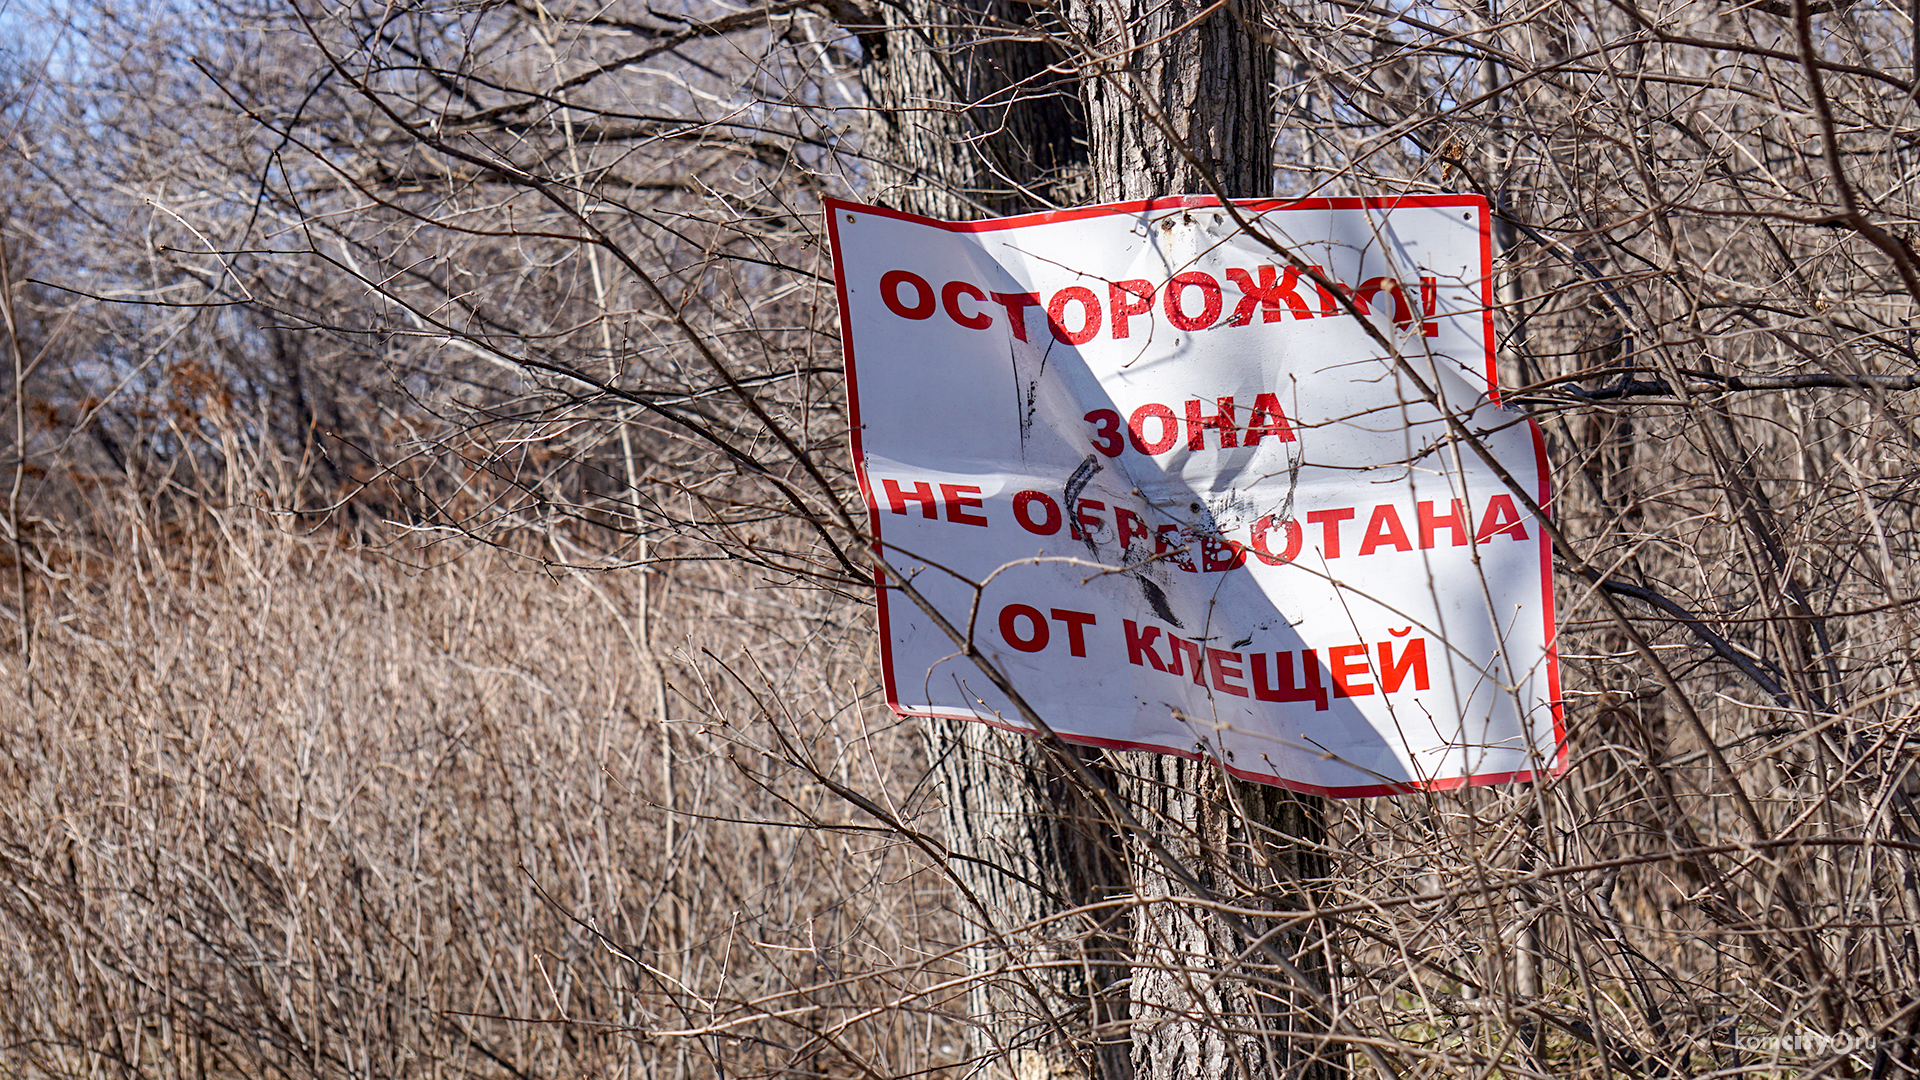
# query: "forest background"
[[437, 628]]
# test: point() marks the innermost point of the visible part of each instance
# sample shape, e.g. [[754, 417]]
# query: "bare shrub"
[[541, 286], [276, 805]]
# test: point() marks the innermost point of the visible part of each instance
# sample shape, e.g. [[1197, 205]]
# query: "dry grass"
[[274, 806]]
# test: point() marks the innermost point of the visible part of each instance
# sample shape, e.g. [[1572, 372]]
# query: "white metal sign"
[[1179, 493]]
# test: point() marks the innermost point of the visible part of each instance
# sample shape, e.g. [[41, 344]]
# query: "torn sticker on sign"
[[1226, 482]]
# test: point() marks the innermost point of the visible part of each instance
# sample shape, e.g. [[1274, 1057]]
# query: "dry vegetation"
[[435, 638], [277, 805]]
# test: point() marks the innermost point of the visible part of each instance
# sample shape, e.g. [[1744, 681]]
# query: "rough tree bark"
[[969, 126], [972, 120], [1179, 101]]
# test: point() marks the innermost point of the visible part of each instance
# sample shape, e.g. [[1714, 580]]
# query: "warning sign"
[[1236, 491]]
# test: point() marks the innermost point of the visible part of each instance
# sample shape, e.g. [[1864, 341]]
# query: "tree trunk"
[[970, 120], [1181, 109], [1029, 845], [958, 142], [1026, 844], [1203, 1005]]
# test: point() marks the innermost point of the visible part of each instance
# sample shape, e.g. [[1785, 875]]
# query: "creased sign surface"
[[1176, 490]]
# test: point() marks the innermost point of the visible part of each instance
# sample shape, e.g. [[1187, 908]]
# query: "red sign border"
[[1542, 496]]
